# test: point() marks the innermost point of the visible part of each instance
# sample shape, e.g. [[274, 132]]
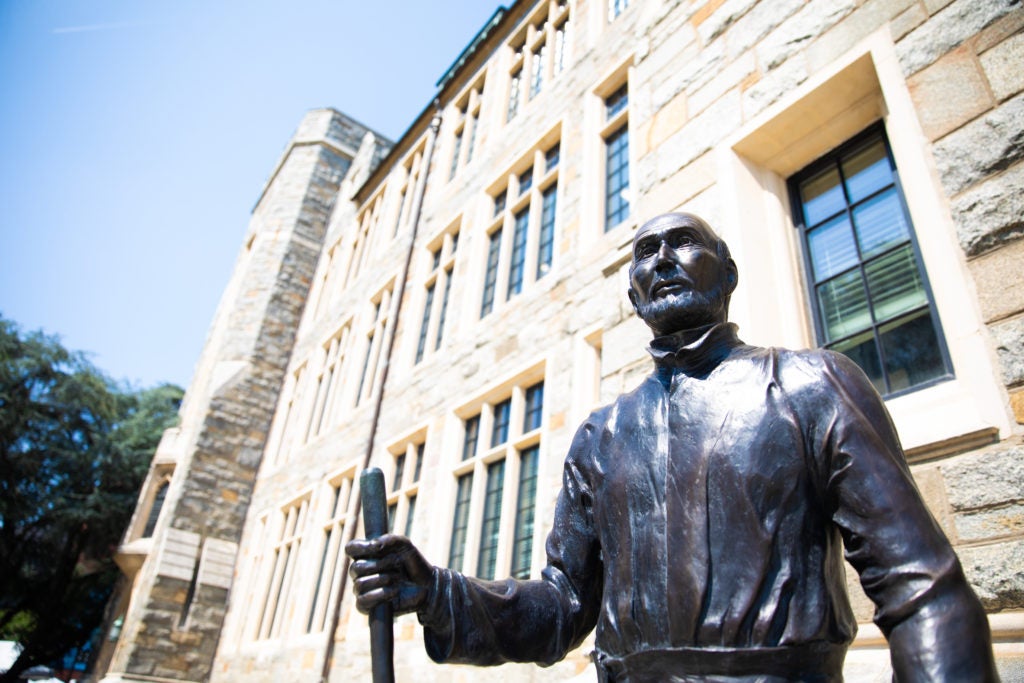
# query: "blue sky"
[[135, 138]]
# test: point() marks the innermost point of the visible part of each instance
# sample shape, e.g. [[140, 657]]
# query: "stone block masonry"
[[180, 597]]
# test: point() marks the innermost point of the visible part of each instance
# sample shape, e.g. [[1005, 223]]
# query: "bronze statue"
[[702, 517]]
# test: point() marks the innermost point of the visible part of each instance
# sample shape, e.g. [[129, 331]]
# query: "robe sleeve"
[[936, 627], [471, 621]]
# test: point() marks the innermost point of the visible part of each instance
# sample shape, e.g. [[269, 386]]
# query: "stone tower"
[[179, 551]]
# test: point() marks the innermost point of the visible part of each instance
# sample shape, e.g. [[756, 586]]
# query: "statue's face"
[[678, 279]]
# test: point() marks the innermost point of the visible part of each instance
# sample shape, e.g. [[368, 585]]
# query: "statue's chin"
[[682, 311]]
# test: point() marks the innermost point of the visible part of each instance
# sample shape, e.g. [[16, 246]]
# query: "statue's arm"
[[936, 627], [471, 621]]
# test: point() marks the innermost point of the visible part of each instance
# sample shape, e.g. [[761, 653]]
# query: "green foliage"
[[74, 449]]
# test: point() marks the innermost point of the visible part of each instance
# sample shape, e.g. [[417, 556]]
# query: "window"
[[374, 343], [334, 513], [328, 382], [616, 157], [616, 7], [540, 52], [514, 87], [496, 484], [467, 121], [162, 482], [521, 238], [359, 250], [869, 292], [287, 427], [407, 464], [283, 557], [411, 171], [437, 292]]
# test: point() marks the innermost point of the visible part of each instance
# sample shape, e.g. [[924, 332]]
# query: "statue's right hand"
[[389, 569]]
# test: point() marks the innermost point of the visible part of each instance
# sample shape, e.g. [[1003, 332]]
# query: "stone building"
[[450, 306]]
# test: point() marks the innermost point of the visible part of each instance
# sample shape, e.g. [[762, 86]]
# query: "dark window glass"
[[491, 274], [419, 463], [518, 259], [154, 510], [409, 515], [616, 178], [421, 344], [491, 520], [499, 202], [616, 102], [471, 437], [499, 430], [525, 180], [460, 523], [392, 509], [455, 155], [534, 411], [399, 472], [546, 243], [522, 544], [443, 313], [870, 294], [551, 158]]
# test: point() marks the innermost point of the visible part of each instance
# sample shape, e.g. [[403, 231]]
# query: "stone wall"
[[180, 596]]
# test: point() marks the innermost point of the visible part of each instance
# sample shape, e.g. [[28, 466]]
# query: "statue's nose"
[[666, 257]]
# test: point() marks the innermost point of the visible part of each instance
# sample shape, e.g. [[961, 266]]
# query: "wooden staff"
[[375, 523]]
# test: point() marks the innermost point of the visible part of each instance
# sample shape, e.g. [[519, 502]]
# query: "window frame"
[[473, 491], [521, 237], [831, 159]]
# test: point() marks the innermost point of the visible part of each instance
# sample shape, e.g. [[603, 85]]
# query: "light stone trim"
[[178, 558], [217, 563]]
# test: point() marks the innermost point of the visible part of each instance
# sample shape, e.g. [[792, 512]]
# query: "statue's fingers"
[[365, 584], [365, 602]]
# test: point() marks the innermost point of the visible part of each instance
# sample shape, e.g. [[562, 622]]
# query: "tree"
[[74, 449]]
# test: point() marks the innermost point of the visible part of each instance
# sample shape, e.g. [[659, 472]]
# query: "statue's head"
[[682, 275]]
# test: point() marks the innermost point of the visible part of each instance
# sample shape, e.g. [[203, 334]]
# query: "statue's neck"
[[696, 351]]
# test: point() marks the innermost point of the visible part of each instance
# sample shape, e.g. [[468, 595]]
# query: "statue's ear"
[[632, 299], [732, 276]]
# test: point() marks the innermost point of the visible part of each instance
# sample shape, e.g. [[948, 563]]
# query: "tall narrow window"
[[456, 149], [616, 7], [421, 345], [460, 524], [405, 482], [513, 94], [522, 543], [282, 570], [869, 291], [438, 284], [537, 69], [546, 243], [491, 520], [616, 144], [334, 511], [328, 382], [374, 344], [561, 47], [518, 260], [502, 413], [491, 274], [471, 437], [156, 507]]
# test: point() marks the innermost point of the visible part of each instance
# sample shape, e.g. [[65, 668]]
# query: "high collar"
[[695, 352]]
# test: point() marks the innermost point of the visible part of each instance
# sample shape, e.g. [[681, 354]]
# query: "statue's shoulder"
[[817, 370]]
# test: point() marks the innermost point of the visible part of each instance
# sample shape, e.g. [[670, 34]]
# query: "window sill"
[[940, 420]]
